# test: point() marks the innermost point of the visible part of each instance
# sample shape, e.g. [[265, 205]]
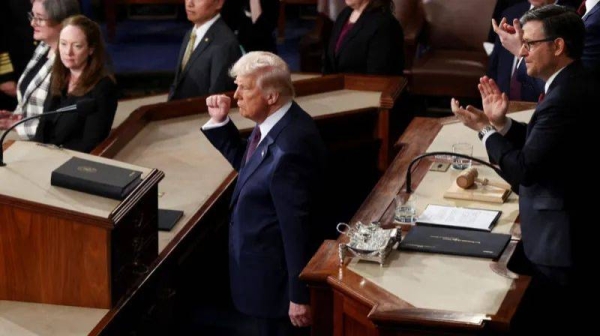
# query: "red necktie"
[[581, 9], [515, 85], [541, 97], [253, 143]]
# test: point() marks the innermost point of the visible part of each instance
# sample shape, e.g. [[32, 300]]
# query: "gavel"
[[467, 178]]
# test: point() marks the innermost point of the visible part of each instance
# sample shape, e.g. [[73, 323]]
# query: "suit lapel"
[[564, 75], [202, 45], [337, 30], [263, 150], [591, 12], [358, 25], [181, 53]]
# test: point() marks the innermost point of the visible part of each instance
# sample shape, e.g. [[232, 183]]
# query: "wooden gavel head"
[[467, 178]]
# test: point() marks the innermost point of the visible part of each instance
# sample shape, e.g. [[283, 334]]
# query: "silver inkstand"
[[367, 241]]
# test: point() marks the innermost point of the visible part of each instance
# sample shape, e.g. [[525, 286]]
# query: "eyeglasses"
[[36, 20], [528, 44]]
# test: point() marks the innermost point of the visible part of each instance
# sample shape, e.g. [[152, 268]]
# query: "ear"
[[91, 52], [559, 45], [272, 97]]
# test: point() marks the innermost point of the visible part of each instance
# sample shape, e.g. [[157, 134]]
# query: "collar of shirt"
[[589, 4], [271, 120], [551, 79], [203, 28]]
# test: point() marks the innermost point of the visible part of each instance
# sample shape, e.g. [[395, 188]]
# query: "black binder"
[[455, 241], [96, 178]]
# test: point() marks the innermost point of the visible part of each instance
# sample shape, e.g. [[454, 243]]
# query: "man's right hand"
[[218, 107], [495, 102]]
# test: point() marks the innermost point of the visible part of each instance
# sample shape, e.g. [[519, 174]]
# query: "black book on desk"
[[168, 218], [96, 178], [455, 241]]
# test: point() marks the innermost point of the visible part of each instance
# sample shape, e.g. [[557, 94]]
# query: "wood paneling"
[[54, 256]]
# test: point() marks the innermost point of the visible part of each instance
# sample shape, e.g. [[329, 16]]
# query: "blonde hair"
[[272, 73]]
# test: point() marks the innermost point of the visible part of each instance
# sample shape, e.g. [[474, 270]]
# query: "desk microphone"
[[418, 158], [84, 106]]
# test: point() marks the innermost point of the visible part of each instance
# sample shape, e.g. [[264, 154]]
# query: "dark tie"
[[253, 142], [581, 9], [541, 97], [515, 84]]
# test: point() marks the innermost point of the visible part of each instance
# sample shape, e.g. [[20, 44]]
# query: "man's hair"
[[559, 21], [272, 73], [58, 10]]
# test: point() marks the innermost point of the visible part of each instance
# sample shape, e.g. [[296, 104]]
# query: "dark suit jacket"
[[375, 45], [18, 44], [591, 49], [74, 130], [272, 212], [252, 36], [207, 70], [535, 157], [501, 62]]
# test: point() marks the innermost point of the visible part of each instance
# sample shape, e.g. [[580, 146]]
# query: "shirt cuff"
[[502, 131], [486, 136], [506, 127], [210, 124]]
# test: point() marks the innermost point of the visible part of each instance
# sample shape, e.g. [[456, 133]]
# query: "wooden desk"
[[346, 303], [351, 111]]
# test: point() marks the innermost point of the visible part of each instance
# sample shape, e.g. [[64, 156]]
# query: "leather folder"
[[455, 241], [95, 178]]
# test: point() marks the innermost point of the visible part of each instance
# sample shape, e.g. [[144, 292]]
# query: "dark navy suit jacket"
[[207, 70], [591, 49], [272, 212], [501, 62], [536, 157]]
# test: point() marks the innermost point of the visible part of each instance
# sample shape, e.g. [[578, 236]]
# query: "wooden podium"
[[60, 246]]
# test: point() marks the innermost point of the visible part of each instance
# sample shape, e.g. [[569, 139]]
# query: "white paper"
[[478, 219]]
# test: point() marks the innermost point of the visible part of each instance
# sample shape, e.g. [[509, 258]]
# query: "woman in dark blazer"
[[79, 73], [367, 39]]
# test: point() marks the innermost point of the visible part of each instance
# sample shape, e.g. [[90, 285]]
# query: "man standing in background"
[[209, 49]]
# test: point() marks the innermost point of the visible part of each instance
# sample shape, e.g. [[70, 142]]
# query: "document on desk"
[[467, 218]]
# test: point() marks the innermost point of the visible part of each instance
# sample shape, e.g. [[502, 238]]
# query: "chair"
[[450, 56]]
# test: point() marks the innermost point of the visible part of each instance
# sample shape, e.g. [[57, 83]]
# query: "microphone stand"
[[70, 108], [418, 158]]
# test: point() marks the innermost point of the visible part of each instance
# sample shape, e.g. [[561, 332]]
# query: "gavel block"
[[467, 178], [469, 186]]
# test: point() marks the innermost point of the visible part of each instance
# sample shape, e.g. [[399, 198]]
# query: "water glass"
[[465, 149], [406, 210]]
